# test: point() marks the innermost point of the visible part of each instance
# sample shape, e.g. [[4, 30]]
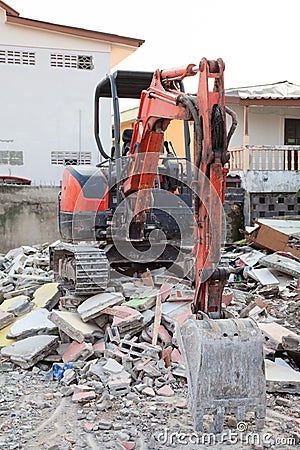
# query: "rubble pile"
[[120, 346]]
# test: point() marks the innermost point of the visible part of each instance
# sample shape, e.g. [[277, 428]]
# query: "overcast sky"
[[257, 39]]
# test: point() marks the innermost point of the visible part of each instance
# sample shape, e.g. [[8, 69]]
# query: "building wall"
[[266, 124], [28, 215], [45, 109]]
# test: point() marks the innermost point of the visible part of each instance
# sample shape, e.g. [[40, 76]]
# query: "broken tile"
[[34, 323], [176, 356], [141, 303], [11, 301], [27, 352], [71, 324], [20, 306], [263, 276], [281, 379], [274, 334], [46, 296], [6, 318], [93, 306]]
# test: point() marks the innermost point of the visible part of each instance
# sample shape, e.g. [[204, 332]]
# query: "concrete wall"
[[28, 215]]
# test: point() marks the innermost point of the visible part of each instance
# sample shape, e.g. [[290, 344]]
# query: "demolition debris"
[[119, 348]]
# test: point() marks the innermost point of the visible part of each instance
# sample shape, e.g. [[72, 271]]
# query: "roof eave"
[[282, 101], [9, 9], [80, 32]]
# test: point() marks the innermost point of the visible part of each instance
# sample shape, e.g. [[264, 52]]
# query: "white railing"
[[264, 157]]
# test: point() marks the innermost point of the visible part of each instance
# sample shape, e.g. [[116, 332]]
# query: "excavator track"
[[82, 270]]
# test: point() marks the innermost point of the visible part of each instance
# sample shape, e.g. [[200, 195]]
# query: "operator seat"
[[126, 138]]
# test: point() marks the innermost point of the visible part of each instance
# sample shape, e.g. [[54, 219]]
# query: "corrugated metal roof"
[[274, 91]]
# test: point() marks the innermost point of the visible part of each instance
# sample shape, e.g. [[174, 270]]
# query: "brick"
[[83, 396], [99, 349], [147, 278], [149, 391], [77, 351], [164, 335], [176, 357], [165, 391]]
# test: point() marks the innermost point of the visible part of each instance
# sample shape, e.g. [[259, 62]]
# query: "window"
[[17, 57], [71, 158], [11, 157], [83, 62], [292, 137]]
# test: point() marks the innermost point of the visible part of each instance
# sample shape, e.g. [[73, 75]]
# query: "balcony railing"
[[265, 157]]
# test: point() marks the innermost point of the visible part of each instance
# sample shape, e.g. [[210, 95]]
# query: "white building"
[[48, 74]]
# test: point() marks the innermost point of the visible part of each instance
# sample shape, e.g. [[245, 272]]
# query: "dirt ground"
[[40, 414]]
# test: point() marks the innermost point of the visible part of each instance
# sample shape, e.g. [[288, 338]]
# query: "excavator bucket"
[[225, 369]]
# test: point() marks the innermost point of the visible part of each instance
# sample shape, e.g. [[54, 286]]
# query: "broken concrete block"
[[46, 296], [281, 379], [139, 350], [274, 334], [112, 334], [291, 342], [119, 387], [282, 263], [132, 320], [101, 320], [6, 318], [72, 325], [77, 351], [93, 306], [27, 352], [34, 323], [69, 376]]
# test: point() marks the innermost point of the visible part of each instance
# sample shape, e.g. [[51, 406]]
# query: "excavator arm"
[[224, 357], [161, 103]]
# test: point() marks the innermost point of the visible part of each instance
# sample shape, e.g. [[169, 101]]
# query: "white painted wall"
[[42, 107], [266, 124]]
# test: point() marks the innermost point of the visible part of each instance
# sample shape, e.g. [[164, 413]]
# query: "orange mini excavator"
[[144, 206]]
